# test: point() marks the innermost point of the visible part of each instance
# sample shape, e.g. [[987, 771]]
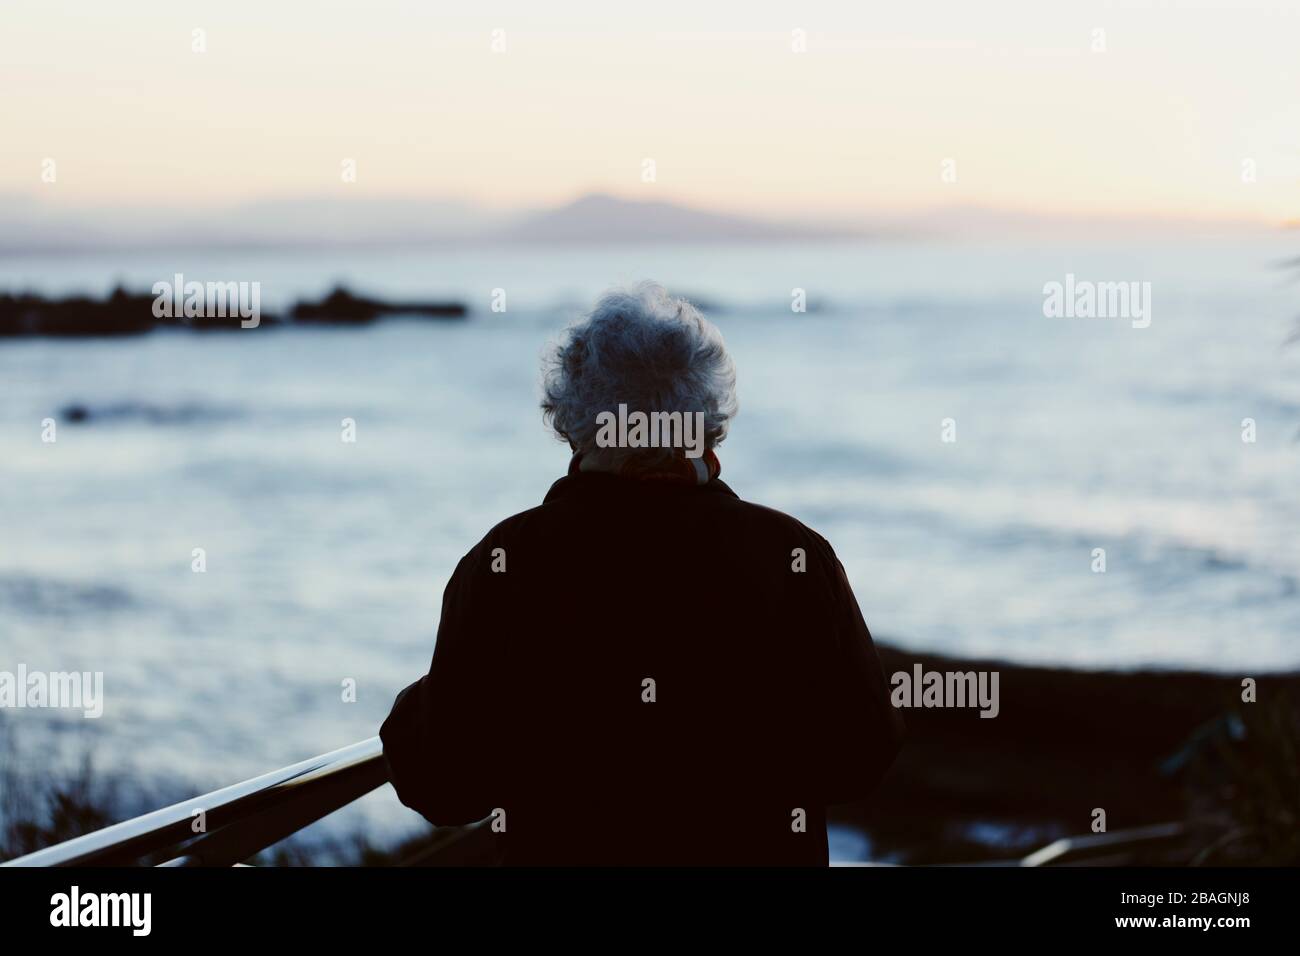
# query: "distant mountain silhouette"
[[32, 223], [600, 217]]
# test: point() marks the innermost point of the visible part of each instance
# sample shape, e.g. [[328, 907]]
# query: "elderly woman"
[[645, 669]]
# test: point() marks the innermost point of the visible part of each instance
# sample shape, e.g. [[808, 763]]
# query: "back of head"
[[638, 351]]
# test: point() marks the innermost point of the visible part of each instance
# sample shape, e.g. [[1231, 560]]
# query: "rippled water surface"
[[326, 560]]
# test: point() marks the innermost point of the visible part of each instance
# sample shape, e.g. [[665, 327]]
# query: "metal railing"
[[237, 821], [240, 821], [1107, 849]]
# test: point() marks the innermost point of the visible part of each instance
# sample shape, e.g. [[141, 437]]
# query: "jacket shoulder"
[[764, 518]]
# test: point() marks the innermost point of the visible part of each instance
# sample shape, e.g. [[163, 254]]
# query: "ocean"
[[325, 560]]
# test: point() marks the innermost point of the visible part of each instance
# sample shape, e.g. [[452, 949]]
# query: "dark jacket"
[[769, 698]]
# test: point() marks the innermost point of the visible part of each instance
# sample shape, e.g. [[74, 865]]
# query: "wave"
[[46, 596], [78, 413]]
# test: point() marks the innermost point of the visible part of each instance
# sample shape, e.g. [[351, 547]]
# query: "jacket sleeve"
[[439, 736], [864, 730]]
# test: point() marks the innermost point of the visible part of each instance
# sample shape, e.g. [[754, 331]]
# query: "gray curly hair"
[[645, 349]]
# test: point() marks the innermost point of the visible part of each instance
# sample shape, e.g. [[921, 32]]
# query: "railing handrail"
[[245, 818], [1073, 849], [239, 820]]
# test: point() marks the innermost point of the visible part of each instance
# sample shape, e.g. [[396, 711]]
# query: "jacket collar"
[[600, 482]]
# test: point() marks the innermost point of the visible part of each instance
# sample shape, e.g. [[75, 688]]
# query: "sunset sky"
[[1161, 123]]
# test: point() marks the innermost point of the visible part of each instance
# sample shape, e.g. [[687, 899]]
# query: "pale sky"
[[1185, 97]]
